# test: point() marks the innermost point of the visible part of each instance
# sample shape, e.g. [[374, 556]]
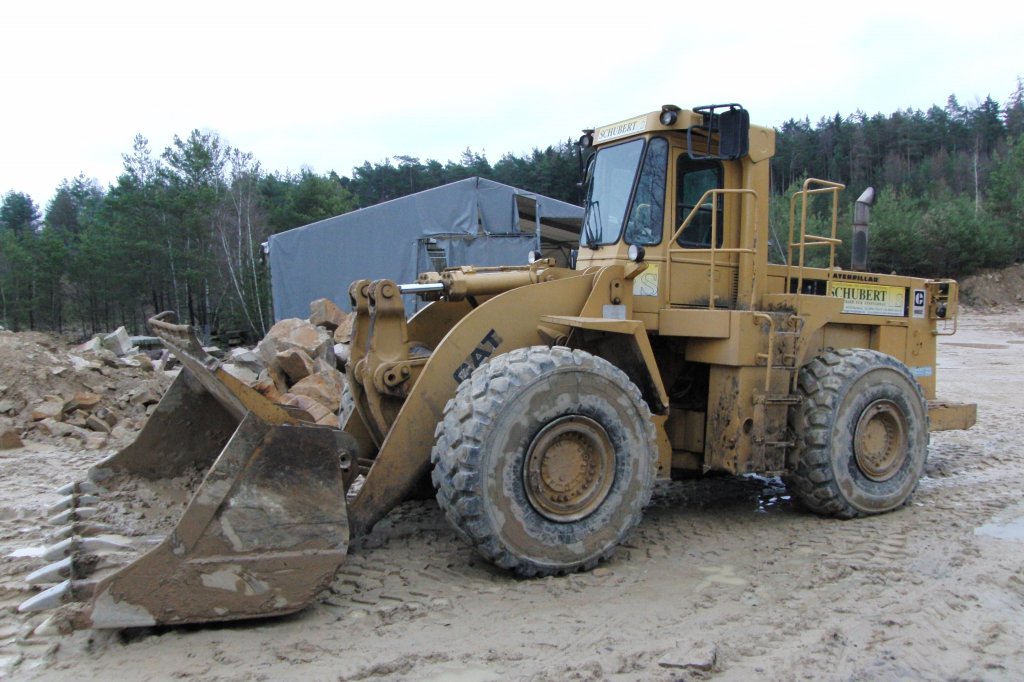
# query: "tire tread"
[[821, 383], [457, 453]]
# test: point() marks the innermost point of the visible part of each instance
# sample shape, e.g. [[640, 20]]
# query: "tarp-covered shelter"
[[470, 222]]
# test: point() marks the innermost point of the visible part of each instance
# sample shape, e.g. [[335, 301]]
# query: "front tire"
[[861, 433], [545, 459]]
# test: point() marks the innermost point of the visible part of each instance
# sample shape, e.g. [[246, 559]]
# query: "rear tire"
[[861, 433], [545, 459]]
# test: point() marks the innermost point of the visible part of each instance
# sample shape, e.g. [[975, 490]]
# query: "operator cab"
[[660, 182], [626, 181]]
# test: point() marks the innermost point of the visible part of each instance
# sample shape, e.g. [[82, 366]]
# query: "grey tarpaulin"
[[470, 222]]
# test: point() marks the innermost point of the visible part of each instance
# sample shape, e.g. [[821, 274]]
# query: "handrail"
[[807, 240], [673, 246]]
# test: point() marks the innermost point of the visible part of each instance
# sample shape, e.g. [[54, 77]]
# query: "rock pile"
[[300, 362], [97, 393]]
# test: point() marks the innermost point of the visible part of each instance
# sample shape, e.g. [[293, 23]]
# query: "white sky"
[[329, 85]]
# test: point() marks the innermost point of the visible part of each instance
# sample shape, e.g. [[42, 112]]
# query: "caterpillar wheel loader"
[[542, 401]]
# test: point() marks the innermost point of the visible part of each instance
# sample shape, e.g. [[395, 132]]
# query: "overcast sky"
[[329, 85]]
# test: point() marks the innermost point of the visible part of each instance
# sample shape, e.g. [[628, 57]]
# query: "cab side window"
[[693, 179]]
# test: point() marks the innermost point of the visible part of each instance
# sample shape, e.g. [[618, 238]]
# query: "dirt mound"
[[50, 391], [101, 392], [994, 289]]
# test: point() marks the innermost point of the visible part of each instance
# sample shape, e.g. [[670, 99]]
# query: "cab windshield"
[[609, 184]]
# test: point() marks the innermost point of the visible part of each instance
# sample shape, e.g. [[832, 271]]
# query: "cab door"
[[694, 283]]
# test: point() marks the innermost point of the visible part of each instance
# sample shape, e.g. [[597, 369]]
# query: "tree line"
[[948, 182], [182, 229]]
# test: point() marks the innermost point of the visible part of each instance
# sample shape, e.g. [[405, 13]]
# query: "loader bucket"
[[226, 506]]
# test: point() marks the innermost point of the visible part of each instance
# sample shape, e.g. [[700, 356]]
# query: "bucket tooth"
[[96, 544], [75, 544], [64, 548], [61, 593], [78, 529], [83, 487], [72, 501], [72, 515], [75, 566], [48, 599], [52, 573]]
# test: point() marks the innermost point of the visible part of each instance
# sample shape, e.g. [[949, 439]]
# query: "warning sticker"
[[870, 299], [646, 283]]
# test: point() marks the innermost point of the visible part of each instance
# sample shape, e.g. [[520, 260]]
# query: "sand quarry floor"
[[724, 579]]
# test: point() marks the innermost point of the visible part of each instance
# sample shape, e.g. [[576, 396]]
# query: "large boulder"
[[323, 387], [296, 363], [250, 360], [90, 346], [343, 334], [297, 334], [84, 400], [243, 374], [10, 438], [323, 313], [52, 407], [319, 413], [118, 342]]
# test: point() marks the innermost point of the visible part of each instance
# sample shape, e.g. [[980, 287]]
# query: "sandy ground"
[[723, 574]]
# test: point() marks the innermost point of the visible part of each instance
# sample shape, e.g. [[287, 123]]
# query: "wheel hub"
[[569, 468], [880, 440]]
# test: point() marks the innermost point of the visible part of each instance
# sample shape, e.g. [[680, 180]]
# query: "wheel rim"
[[569, 468], [880, 441]]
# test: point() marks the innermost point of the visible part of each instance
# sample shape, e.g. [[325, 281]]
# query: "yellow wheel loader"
[[542, 401]]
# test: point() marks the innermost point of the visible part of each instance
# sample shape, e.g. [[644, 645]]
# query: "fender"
[[513, 317]]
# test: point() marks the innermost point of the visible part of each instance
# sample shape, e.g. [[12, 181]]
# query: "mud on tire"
[[861, 434], [545, 459]]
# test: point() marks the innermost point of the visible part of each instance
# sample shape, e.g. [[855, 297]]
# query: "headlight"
[[669, 114]]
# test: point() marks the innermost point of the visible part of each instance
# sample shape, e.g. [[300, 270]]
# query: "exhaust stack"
[[861, 218]]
